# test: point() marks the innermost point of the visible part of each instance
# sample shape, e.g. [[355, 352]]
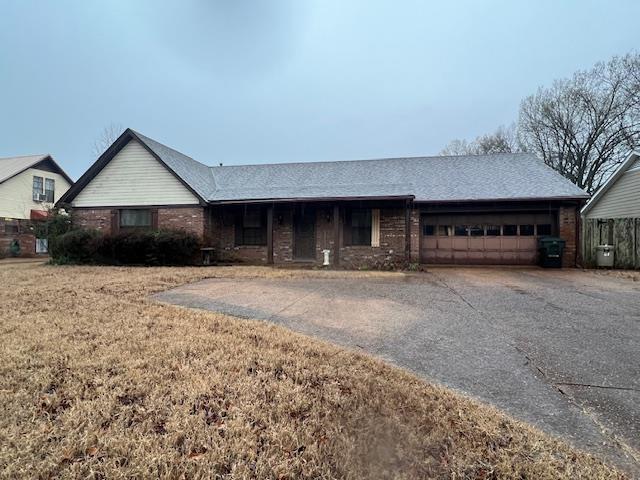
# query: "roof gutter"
[[310, 199], [519, 199]]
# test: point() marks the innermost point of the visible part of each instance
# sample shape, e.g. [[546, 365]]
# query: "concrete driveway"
[[559, 349]]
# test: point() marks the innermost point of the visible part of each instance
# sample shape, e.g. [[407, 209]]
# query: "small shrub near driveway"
[[163, 247]]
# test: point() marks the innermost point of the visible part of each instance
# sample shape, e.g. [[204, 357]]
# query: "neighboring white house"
[[612, 216], [29, 186]]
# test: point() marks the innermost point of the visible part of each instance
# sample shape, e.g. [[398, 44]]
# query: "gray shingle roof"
[[427, 179], [11, 166], [197, 175]]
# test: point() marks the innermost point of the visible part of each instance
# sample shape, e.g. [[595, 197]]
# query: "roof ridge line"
[[417, 157], [24, 156]]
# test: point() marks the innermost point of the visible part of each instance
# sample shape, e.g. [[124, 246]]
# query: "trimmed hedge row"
[[162, 247]]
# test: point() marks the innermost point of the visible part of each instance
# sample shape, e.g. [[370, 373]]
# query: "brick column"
[[568, 231], [415, 235]]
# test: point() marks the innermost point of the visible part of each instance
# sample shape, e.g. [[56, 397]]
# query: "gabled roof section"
[[12, 166], [195, 176], [622, 168], [502, 177]]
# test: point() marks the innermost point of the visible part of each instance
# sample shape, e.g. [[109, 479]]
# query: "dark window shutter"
[[115, 221], [346, 228], [154, 218]]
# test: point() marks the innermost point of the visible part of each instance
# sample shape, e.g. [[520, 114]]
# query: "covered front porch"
[[362, 233]]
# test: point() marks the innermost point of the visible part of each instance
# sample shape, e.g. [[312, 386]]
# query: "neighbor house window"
[[49, 189], [428, 230], [358, 226], [251, 227], [135, 219], [38, 188], [11, 228]]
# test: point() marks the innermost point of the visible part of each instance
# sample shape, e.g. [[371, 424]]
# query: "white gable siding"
[[16, 194], [134, 177], [622, 199]]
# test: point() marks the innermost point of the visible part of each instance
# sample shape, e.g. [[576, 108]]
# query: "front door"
[[304, 233]]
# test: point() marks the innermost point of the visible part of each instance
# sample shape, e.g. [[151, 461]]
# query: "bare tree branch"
[[584, 126], [108, 135]]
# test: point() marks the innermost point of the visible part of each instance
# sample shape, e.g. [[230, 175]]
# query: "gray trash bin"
[[604, 255]]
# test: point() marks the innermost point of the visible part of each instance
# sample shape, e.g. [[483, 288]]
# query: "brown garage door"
[[498, 239]]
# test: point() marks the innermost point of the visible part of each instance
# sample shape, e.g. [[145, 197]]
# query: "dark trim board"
[[137, 207]]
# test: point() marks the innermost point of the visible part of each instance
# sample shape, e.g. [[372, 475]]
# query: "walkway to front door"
[[304, 233]]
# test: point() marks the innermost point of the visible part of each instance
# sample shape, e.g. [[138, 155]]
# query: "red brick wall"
[[26, 239], [391, 251], [27, 242], [190, 219], [221, 236], [568, 229], [98, 219]]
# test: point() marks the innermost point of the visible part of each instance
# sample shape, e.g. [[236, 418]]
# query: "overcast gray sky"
[[274, 81]]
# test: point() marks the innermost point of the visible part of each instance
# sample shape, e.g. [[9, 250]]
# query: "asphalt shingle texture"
[[428, 179]]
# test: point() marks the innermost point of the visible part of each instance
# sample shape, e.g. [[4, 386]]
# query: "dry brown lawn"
[[99, 381]]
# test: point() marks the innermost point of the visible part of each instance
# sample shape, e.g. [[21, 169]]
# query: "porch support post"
[[270, 234], [336, 235], [407, 231]]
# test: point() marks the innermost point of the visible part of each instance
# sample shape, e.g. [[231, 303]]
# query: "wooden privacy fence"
[[622, 233]]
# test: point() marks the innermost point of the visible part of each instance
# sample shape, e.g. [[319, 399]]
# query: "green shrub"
[[164, 247], [76, 246], [176, 247]]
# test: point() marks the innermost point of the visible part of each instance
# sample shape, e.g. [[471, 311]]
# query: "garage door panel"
[[527, 243], [484, 242], [444, 243], [492, 244], [526, 257], [460, 244], [476, 243], [509, 243]]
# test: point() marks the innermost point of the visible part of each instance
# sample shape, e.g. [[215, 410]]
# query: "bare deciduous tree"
[[503, 140], [108, 135], [584, 126]]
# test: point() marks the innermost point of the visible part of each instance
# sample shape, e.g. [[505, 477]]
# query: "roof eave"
[[510, 199]]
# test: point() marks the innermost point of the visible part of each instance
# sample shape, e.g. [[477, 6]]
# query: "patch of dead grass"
[[97, 380]]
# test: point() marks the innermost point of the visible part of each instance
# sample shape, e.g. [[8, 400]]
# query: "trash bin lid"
[[605, 247], [550, 241]]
